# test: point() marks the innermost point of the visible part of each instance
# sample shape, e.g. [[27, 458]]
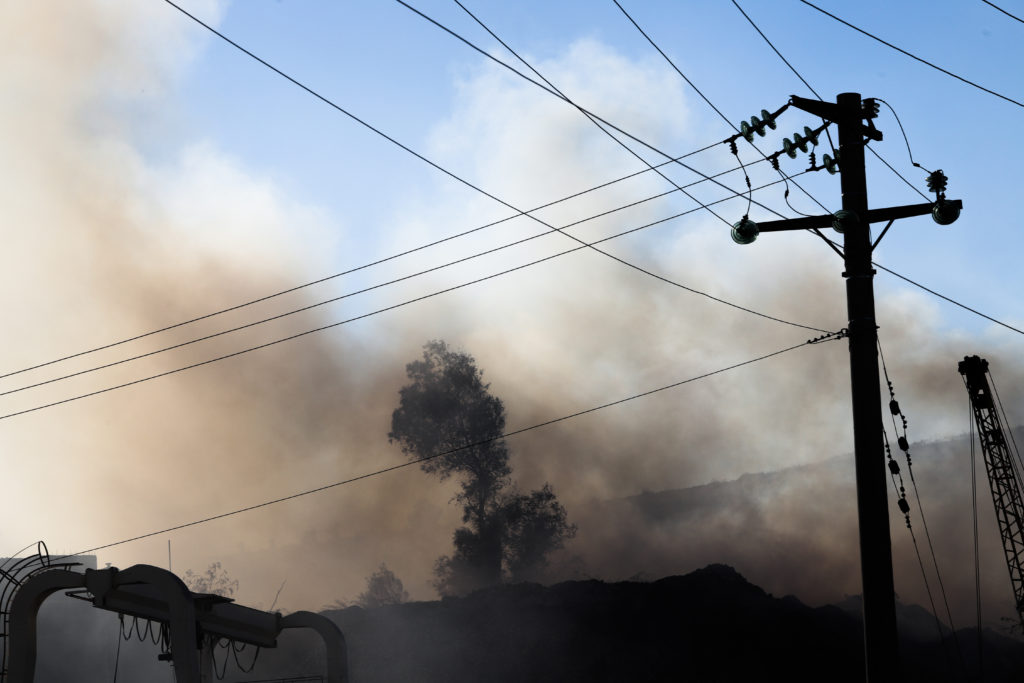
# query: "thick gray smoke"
[[106, 238]]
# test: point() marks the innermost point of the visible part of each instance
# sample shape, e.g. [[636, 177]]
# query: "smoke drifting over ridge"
[[120, 220]]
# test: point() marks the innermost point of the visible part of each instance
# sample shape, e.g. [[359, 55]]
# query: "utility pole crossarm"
[[833, 111], [872, 215]]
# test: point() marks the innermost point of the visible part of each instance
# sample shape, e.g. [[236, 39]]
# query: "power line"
[[898, 174], [811, 88], [409, 277], [593, 118], [912, 56], [377, 262], [357, 268], [946, 298], [775, 49], [1012, 16], [554, 91], [505, 435], [906, 140], [717, 110], [589, 117], [933, 292], [904, 445], [393, 307], [420, 156]]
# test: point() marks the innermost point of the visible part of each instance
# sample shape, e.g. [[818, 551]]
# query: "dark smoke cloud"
[[115, 242]]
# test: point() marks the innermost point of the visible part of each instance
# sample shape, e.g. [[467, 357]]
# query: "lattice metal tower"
[[1004, 472]]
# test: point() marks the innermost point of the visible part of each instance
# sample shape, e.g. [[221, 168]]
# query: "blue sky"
[[398, 72], [158, 174]]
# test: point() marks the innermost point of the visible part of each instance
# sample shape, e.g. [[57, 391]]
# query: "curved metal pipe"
[[334, 640]]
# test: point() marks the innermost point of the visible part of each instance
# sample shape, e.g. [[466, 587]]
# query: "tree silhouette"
[[535, 525], [382, 588], [448, 406], [214, 580]]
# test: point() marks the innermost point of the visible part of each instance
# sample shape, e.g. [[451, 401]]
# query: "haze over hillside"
[[710, 625], [795, 531]]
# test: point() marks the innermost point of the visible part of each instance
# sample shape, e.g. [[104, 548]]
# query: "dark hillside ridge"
[[710, 625], [796, 531]]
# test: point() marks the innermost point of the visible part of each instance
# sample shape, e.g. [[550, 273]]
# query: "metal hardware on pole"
[[854, 119]]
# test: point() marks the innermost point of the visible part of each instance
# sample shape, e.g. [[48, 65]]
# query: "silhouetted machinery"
[[195, 621], [1003, 468]]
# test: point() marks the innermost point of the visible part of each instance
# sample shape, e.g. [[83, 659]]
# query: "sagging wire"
[[750, 190], [910, 154], [252, 664], [156, 637], [827, 133], [554, 90], [905, 139], [799, 143], [789, 148], [234, 648], [213, 642], [160, 636], [904, 445], [717, 110], [785, 196], [786, 62]]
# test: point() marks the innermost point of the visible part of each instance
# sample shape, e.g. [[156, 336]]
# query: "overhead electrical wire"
[[594, 119], [354, 269], [910, 154], [912, 56], [425, 159], [811, 88], [368, 265], [382, 310], [332, 104], [786, 62], [236, 353], [1012, 16], [933, 292], [590, 117], [906, 140], [505, 435], [552, 91], [775, 49], [815, 92], [901, 495], [404, 147], [946, 298], [584, 244], [904, 445], [877, 155], [606, 122], [403, 278], [717, 110], [898, 174]]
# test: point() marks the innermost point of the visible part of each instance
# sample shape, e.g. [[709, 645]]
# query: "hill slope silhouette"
[[710, 625]]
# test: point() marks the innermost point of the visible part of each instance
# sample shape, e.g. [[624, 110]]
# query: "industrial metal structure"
[[14, 572], [1003, 468], [194, 621]]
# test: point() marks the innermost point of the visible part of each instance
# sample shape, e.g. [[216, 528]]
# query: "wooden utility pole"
[[849, 113]]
